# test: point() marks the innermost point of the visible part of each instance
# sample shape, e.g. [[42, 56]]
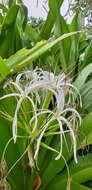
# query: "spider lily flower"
[[29, 83]]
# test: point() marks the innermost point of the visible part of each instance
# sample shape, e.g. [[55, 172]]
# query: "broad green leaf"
[[86, 94], [79, 173], [79, 82], [77, 186], [8, 33], [89, 139], [82, 172], [74, 51], [11, 15], [11, 3], [46, 29], [43, 156], [16, 177], [24, 15], [18, 43], [23, 54], [61, 28], [73, 186], [30, 33], [84, 131], [54, 166], [88, 55], [83, 45]]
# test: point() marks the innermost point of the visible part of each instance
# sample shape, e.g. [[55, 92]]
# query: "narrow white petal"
[[40, 84], [70, 85], [61, 133], [36, 120], [20, 75], [14, 126], [73, 136], [41, 136], [37, 96], [72, 110], [40, 113], [10, 95], [60, 100], [18, 87]]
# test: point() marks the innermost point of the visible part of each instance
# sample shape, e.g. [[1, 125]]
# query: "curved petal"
[[41, 136], [73, 136], [14, 126]]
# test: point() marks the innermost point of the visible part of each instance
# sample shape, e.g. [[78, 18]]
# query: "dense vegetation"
[[45, 100]]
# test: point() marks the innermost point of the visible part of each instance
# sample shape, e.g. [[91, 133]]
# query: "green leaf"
[[82, 172], [24, 15], [11, 15], [1, 20], [7, 36], [54, 167], [79, 82], [79, 173], [88, 55], [84, 131], [61, 28], [77, 186], [30, 33], [74, 186], [74, 49], [2, 7], [86, 94], [17, 62], [16, 177], [11, 3], [4, 70], [46, 29]]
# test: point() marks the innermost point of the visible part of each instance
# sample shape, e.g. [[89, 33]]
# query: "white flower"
[[28, 84]]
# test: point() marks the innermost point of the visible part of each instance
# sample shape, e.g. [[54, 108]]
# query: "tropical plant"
[[33, 110]]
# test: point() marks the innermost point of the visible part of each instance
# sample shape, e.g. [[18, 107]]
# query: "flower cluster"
[[29, 84]]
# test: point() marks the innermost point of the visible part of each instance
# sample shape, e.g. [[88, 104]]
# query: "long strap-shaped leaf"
[[80, 173], [23, 57], [20, 60]]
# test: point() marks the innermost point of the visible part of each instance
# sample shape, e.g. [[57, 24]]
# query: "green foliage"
[[21, 44], [85, 7]]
